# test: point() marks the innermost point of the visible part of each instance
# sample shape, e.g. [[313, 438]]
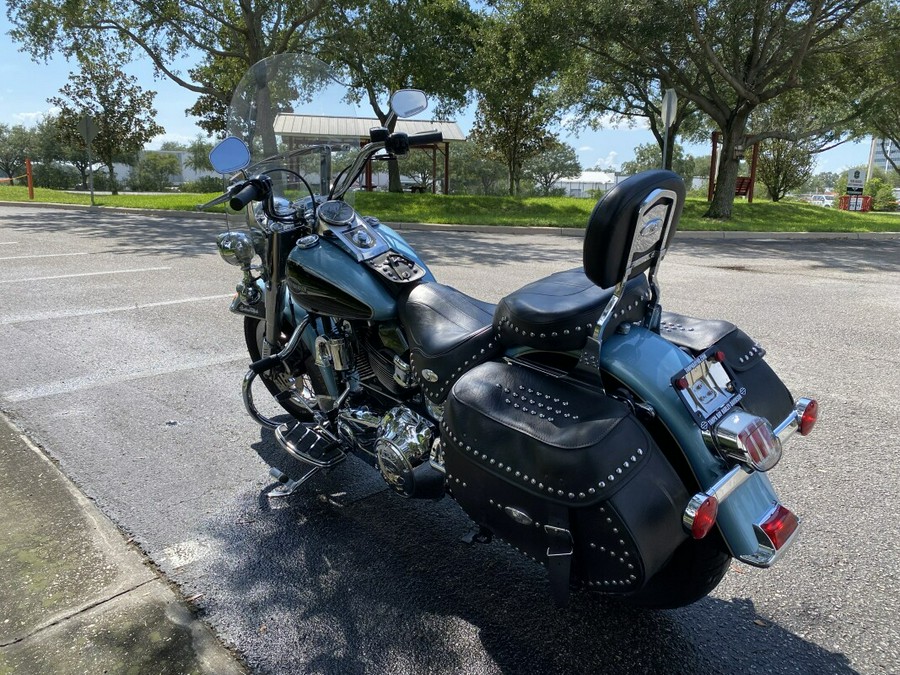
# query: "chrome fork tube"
[[273, 295]]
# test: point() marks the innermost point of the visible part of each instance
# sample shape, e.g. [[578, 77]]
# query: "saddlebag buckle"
[[560, 538]]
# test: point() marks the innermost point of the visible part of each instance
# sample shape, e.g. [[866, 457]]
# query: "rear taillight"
[[779, 526], [700, 515], [808, 415], [748, 439]]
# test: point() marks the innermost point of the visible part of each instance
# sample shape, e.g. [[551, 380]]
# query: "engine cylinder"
[[404, 443]]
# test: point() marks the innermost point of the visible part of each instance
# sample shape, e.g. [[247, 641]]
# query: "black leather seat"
[[559, 312], [693, 334], [450, 333]]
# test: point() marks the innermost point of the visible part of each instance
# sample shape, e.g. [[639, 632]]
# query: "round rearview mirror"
[[230, 155], [408, 102]]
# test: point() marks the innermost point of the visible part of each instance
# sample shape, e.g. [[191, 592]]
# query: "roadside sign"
[[87, 127], [856, 181], [669, 104]]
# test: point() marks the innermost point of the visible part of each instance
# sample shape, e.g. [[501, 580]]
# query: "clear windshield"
[[294, 116]]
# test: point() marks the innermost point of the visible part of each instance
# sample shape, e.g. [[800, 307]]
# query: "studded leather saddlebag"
[[565, 474]]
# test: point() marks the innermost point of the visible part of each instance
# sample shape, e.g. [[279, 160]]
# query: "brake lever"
[[221, 199]]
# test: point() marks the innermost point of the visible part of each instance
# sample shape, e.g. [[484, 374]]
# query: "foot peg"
[[307, 445]]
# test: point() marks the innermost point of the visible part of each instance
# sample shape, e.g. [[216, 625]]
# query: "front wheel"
[[695, 569], [301, 368]]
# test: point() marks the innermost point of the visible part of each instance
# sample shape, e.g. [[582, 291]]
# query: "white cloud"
[[608, 162], [585, 148], [31, 118], [157, 141]]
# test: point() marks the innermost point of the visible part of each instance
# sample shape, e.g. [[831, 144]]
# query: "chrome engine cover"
[[405, 440]]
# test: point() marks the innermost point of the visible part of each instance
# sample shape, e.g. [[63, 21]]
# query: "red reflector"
[[705, 518], [681, 383], [809, 417], [780, 526], [719, 356]]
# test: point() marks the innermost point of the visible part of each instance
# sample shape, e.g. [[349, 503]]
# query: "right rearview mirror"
[[408, 102]]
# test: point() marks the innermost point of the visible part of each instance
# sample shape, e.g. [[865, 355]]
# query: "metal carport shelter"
[[299, 130]]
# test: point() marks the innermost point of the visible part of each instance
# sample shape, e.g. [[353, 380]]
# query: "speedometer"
[[336, 212]]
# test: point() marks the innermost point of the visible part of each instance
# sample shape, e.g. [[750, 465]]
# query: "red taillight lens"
[[780, 526], [808, 417], [700, 515], [760, 444]]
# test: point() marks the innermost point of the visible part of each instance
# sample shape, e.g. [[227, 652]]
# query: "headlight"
[[236, 248]]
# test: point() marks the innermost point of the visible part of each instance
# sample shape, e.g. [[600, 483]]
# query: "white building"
[[589, 181], [881, 157]]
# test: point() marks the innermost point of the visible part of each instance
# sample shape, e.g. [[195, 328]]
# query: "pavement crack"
[[78, 612]]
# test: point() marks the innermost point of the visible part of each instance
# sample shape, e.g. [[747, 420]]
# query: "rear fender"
[[645, 363]]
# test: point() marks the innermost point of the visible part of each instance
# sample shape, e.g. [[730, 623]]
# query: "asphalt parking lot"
[[122, 362]]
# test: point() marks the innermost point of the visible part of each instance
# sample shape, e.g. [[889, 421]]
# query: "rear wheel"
[[694, 571], [301, 368]]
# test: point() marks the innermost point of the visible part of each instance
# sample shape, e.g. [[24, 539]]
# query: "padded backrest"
[[614, 228]]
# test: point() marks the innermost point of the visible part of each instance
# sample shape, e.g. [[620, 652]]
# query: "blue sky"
[[26, 85]]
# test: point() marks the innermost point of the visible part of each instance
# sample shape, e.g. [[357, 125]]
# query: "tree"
[[730, 58], [881, 118], [420, 166], [385, 45], [649, 156], [472, 171], [821, 182], [611, 92], [198, 154], [122, 110], [229, 36], [15, 144], [560, 161], [516, 103], [154, 171], [784, 166]]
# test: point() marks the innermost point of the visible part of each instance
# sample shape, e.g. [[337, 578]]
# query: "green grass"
[[176, 201], [761, 216]]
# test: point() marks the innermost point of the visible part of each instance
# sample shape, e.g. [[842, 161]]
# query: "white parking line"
[[82, 274], [43, 255], [8, 243], [97, 380], [69, 314]]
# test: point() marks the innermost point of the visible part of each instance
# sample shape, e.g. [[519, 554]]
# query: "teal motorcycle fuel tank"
[[323, 278]]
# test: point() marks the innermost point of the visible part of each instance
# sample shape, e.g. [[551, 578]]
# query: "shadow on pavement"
[[347, 577]]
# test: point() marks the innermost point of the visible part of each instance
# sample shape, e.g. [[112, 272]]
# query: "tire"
[[302, 368], [695, 569]]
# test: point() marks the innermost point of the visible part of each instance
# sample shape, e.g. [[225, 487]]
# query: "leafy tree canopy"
[[649, 156], [558, 161], [123, 112]]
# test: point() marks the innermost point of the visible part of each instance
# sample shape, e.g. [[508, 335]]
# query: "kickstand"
[[289, 485], [478, 535]]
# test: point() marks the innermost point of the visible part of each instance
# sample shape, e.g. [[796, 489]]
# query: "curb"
[[493, 229]]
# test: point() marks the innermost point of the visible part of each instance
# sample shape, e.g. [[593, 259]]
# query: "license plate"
[[708, 389]]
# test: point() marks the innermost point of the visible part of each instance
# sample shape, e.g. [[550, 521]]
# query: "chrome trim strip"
[[728, 483], [720, 491]]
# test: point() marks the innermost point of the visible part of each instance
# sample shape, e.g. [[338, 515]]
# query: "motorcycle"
[[624, 447]]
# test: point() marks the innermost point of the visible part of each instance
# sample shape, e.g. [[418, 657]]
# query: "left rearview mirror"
[[230, 155]]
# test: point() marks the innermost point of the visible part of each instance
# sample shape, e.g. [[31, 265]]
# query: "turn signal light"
[[779, 526], [808, 417], [700, 515]]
